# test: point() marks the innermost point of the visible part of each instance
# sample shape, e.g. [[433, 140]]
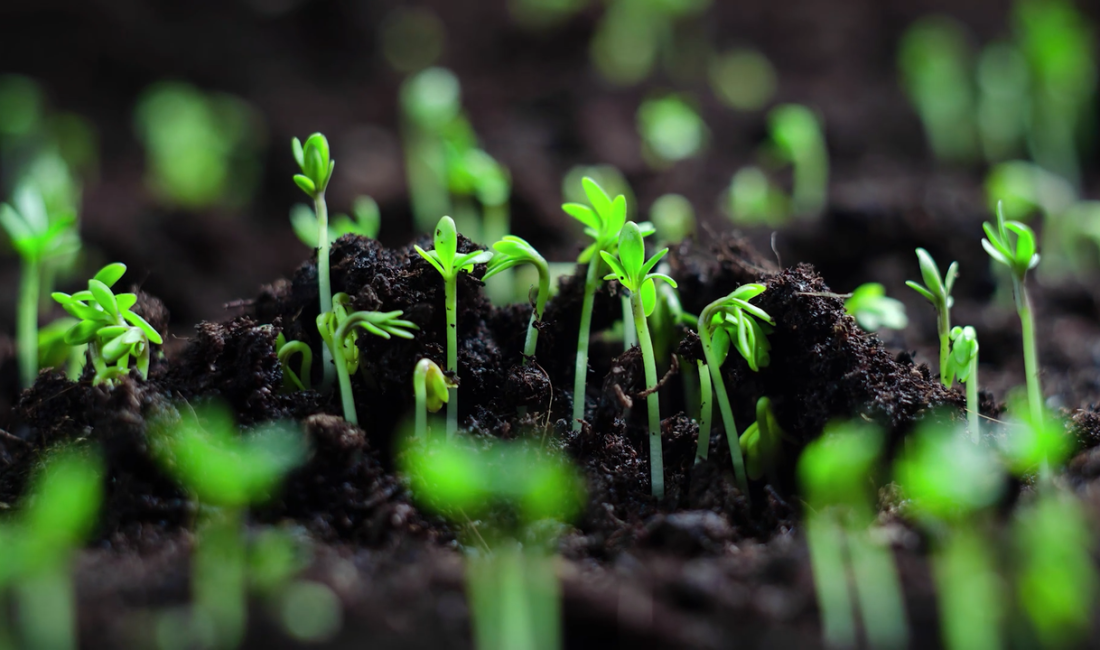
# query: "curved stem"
[[581, 368], [653, 402], [324, 284], [719, 385], [27, 334], [301, 379], [706, 408], [532, 341], [451, 308]]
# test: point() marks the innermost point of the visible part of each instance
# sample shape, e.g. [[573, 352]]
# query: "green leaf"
[[648, 266], [583, 214], [632, 253], [307, 185], [17, 229], [617, 270], [110, 274], [116, 348], [601, 203], [126, 301], [134, 319], [446, 243], [921, 290], [930, 272], [82, 332], [617, 219], [104, 297], [299, 154], [32, 207], [648, 295], [304, 223], [430, 256], [468, 260]]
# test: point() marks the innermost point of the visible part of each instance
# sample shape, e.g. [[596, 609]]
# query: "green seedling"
[[952, 486], [634, 272], [752, 199], [446, 260], [340, 330], [762, 442], [475, 174], [935, 62], [608, 177], [673, 218], [285, 350], [937, 290], [430, 102], [512, 251], [732, 320], [37, 236], [1013, 244], [743, 79], [963, 365], [871, 308], [671, 129], [432, 390], [316, 166], [799, 139], [602, 222], [201, 147], [366, 223], [54, 352], [1035, 442], [1004, 100], [850, 568], [633, 33], [1056, 582], [112, 332], [225, 472], [512, 588]]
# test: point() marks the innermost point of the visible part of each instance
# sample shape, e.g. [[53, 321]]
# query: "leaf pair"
[[429, 378], [314, 161], [873, 310], [512, 251], [937, 288], [339, 328], [602, 221], [445, 256], [964, 352], [734, 321], [632, 269], [1021, 255], [33, 233]]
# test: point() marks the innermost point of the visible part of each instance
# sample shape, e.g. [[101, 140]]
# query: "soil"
[[705, 565]]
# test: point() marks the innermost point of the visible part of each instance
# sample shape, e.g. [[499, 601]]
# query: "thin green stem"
[[706, 408], [451, 308], [629, 337], [420, 391], [943, 323], [324, 283], [1031, 364], [719, 385], [27, 334], [825, 538], [532, 341], [346, 397], [878, 593], [592, 280], [972, 404], [653, 402], [219, 577]]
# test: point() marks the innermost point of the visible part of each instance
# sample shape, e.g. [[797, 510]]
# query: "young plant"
[[1013, 244], [107, 325], [671, 129], [367, 222], [36, 237], [797, 135], [673, 218], [511, 586], [937, 290], [754, 200], [834, 473], [446, 260], [512, 251], [871, 308], [284, 349], [761, 443], [225, 472], [339, 329], [430, 101], [316, 165], [633, 271], [633, 34], [431, 388], [742, 79], [963, 365], [731, 320]]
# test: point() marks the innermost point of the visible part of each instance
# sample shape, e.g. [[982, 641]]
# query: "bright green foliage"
[[798, 137], [315, 162], [935, 62], [937, 290], [512, 251], [608, 177], [836, 469], [431, 388], [743, 79], [963, 365], [1057, 582], [753, 199], [671, 129], [871, 308], [366, 223], [1025, 188], [292, 380], [761, 442], [1034, 444], [602, 222], [201, 147], [339, 330], [947, 478], [107, 325]]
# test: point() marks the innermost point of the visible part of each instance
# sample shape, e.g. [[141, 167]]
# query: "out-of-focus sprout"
[[202, 148], [963, 365], [799, 139], [606, 176], [1036, 440], [21, 105], [743, 79], [673, 218], [367, 222], [632, 34], [873, 310], [752, 199], [412, 38], [1003, 102], [541, 14], [672, 130], [935, 61], [430, 101]]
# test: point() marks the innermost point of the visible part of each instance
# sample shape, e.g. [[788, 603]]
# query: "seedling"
[[672, 130], [285, 350], [633, 271], [512, 588], [733, 320], [430, 101], [1004, 102], [432, 390], [937, 290], [449, 264], [743, 79], [753, 199], [797, 135], [474, 173], [632, 34], [673, 218], [316, 165], [963, 365], [339, 329], [226, 472], [1034, 443], [761, 443], [107, 325], [367, 222], [37, 236], [512, 251], [871, 308], [1019, 252], [54, 352], [835, 472]]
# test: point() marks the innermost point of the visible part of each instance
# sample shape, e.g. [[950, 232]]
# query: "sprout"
[[367, 222], [754, 200], [633, 271], [1034, 442], [339, 329], [430, 101], [513, 251], [632, 34], [871, 308], [798, 138], [300, 380], [671, 130], [1004, 101], [432, 390], [726, 321], [449, 264], [107, 325], [761, 442], [37, 236], [963, 365], [937, 290], [743, 79], [673, 218]]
